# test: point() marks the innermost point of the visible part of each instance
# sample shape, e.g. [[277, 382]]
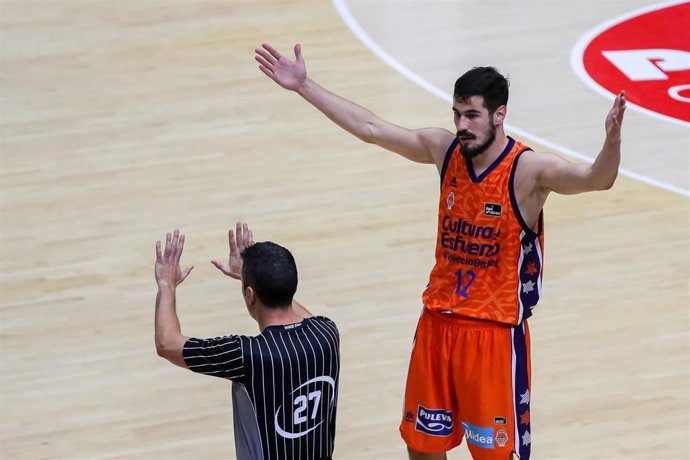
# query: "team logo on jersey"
[[306, 407], [501, 438], [481, 436], [450, 201], [493, 209], [409, 416], [436, 422], [500, 421]]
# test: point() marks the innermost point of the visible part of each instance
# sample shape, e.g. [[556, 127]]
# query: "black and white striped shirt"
[[285, 387]]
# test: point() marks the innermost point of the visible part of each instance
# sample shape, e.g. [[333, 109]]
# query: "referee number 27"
[[464, 283], [302, 404]]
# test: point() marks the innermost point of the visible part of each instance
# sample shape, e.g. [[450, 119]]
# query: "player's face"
[[475, 128]]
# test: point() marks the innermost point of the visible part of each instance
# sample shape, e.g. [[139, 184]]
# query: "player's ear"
[[500, 114]]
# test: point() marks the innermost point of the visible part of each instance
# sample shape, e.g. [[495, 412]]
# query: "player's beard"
[[470, 152]]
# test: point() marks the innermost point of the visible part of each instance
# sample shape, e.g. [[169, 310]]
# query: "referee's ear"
[[250, 301], [249, 295]]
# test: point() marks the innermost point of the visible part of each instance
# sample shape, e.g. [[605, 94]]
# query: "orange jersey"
[[489, 263]]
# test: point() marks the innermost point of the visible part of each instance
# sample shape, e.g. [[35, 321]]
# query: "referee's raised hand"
[[167, 268], [239, 240]]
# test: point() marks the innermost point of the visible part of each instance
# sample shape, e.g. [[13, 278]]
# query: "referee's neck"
[[267, 317]]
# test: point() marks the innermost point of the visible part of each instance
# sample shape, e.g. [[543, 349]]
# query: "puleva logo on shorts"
[[479, 435], [436, 422]]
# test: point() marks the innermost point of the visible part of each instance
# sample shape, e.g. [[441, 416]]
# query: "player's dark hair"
[[271, 271], [483, 81]]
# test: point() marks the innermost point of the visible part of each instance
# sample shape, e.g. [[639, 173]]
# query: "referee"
[[285, 380]]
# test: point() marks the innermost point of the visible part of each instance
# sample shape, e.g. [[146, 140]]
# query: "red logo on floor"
[[648, 55]]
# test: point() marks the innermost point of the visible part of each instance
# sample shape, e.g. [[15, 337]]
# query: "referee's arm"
[[169, 338]]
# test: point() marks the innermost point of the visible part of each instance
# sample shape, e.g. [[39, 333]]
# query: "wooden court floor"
[[123, 120]]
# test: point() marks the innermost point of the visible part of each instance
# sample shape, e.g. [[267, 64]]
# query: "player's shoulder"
[[539, 159], [534, 165], [438, 141], [436, 134], [439, 138]]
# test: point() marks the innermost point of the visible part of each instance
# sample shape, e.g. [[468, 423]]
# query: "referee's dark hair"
[[271, 271]]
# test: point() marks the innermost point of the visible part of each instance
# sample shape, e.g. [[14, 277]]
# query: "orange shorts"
[[468, 378]]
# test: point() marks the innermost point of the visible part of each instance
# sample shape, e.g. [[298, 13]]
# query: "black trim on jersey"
[[446, 160], [497, 161], [514, 203]]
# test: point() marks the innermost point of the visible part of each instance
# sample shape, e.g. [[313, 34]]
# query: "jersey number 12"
[[462, 288]]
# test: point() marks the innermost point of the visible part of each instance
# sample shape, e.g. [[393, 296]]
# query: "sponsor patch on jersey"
[[480, 436], [501, 438], [500, 421], [493, 209], [436, 422]]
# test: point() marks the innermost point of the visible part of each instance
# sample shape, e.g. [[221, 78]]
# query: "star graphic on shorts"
[[531, 268], [527, 249], [526, 439], [527, 287], [524, 398], [524, 418]]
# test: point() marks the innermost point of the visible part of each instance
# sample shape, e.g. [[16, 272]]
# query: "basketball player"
[[472, 337], [285, 380]]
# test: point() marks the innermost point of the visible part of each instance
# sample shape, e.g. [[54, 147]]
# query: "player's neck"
[[486, 159]]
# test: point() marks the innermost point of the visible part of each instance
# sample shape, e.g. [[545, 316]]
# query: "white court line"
[[354, 26], [578, 65]]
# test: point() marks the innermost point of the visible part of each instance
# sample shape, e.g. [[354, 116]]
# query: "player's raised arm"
[[559, 175], [423, 145]]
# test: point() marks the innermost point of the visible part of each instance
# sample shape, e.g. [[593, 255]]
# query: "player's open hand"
[[167, 268], [238, 241], [614, 120], [288, 74]]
